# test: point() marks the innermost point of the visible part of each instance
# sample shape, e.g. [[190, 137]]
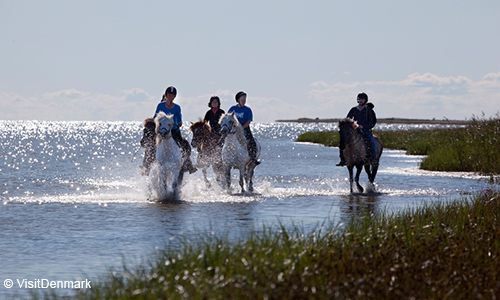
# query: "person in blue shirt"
[[364, 115], [245, 116], [168, 106]]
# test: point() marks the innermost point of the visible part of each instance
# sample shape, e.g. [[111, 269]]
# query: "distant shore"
[[383, 120]]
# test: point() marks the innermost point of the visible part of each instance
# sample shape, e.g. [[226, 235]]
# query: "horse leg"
[[242, 184], [358, 172], [374, 169], [250, 182], [368, 172], [374, 172], [180, 177], [218, 170], [175, 189], [349, 168], [227, 179], [207, 183], [249, 178]]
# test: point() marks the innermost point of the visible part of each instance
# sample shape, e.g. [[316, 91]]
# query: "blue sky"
[[112, 60]]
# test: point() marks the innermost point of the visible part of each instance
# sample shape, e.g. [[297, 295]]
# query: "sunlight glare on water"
[[73, 201]]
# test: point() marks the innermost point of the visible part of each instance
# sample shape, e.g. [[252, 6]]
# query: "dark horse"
[[209, 151], [356, 152]]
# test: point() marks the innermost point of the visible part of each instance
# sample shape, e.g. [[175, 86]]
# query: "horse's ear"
[[232, 113]]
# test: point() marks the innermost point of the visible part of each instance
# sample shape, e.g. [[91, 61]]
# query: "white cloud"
[[417, 96], [76, 105]]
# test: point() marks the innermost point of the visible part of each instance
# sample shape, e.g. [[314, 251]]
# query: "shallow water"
[[73, 202]]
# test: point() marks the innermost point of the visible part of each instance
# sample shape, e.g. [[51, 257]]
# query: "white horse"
[[168, 162], [235, 153]]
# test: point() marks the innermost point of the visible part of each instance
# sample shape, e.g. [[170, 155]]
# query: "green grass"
[[474, 148], [446, 250]]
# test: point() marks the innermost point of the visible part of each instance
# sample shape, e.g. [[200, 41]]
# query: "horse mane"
[[238, 127], [149, 123], [200, 123], [350, 122]]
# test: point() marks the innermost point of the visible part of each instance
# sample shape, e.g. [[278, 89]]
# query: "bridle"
[[353, 137], [229, 129], [163, 131]]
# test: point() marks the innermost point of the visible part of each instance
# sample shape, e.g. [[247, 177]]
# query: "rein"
[[357, 137], [229, 130]]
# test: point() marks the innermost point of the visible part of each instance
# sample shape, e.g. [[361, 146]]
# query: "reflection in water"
[[354, 206], [192, 221]]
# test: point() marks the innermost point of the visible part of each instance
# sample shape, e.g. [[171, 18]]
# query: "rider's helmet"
[[239, 94], [362, 96], [171, 90]]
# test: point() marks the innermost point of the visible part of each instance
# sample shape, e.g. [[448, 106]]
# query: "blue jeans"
[[371, 142]]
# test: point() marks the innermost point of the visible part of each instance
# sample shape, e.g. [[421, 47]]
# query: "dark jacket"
[[213, 119], [364, 117]]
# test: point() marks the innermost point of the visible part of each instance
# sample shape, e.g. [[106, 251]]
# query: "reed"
[[445, 250], [474, 148], [326, 138]]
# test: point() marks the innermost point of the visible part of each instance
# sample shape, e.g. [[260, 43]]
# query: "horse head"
[[347, 127], [164, 124], [348, 123], [200, 131], [227, 123]]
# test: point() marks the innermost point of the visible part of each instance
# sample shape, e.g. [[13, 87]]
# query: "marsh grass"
[[474, 148], [445, 250]]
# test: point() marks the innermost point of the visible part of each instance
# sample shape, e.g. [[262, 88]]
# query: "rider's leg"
[[372, 145], [185, 150], [149, 157], [252, 146], [341, 153], [148, 143]]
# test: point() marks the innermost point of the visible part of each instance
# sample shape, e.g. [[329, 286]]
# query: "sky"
[[112, 60]]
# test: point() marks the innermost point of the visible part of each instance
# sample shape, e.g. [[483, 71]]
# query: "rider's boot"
[[220, 143], [191, 169], [253, 158], [186, 154], [342, 159]]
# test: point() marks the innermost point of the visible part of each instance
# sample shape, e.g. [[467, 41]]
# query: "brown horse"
[[356, 152], [209, 151]]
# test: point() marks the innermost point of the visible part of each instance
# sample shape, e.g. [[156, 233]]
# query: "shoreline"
[[380, 120]]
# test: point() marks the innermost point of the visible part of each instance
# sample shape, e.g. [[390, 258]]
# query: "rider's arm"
[[179, 125], [249, 117], [370, 121], [350, 114]]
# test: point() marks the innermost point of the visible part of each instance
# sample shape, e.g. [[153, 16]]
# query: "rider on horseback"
[[364, 115], [169, 107], [244, 115], [213, 115]]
